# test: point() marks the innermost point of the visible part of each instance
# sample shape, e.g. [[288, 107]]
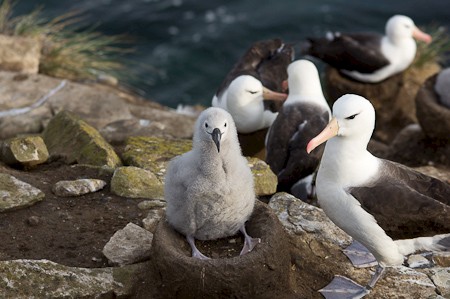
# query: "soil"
[[71, 231]]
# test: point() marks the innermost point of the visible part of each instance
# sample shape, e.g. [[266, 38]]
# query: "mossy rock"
[[74, 140], [265, 180], [15, 194], [28, 151], [135, 182], [153, 153]]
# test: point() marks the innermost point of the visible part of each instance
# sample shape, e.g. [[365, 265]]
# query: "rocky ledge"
[[81, 204]]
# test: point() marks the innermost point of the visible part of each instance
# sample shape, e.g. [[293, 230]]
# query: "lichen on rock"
[[74, 140]]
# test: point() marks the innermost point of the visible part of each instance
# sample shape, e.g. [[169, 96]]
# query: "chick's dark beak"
[[216, 136]]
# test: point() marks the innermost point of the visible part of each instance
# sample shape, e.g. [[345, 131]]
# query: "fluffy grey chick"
[[209, 190]]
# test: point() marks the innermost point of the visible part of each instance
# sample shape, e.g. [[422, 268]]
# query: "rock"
[[151, 204], [441, 278], [153, 217], [262, 272], [71, 138], [433, 117], [33, 221], [130, 245], [153, 153], [77, 187], [265, 180], [135, 182], [403, 282], [28, 151], [392, 98], [20, 54], [97, 104], [418, 261], [46, 279], [441, 259], [15, 194], [300, 218]]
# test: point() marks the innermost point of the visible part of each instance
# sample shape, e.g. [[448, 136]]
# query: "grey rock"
[[129, 245], [151, 204], [135, 182], [300, 218], [77, 187], [418, 261], [441, 278], [15, 194], [150, 222], [28, 151], [46, 279]]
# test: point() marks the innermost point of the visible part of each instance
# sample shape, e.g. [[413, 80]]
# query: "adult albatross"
[[373, 199], [371, 57], [303, 115]]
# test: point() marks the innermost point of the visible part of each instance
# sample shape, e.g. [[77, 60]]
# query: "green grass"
[[436, 51], [68, 50]]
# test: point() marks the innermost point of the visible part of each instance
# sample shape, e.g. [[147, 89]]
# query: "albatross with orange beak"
[[371, 57], [373, 200]]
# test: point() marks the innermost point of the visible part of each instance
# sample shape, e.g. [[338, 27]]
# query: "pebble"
[[33, 221]]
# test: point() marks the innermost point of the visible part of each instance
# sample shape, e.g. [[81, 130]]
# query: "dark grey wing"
[[281, 131], [286, 144], [273, 72], [299, 163], [353, 52], [249, 62], [406, 203]]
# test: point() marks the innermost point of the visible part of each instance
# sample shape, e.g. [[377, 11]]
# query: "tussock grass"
[[437, 51], [68, 50]]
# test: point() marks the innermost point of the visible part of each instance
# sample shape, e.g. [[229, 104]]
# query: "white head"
[[246, 89], [400, 27], [353, 119], [215, 127], [304, 79]]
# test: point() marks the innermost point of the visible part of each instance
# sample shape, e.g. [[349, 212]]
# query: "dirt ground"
[[72, 230]]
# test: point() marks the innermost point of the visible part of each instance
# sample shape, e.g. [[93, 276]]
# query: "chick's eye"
[[351, 116], [206, 125], [225, 125]]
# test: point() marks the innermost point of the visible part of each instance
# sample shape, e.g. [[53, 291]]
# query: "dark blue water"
[[184, 48]]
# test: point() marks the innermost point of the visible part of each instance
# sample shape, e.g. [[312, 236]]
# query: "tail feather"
[[435, 243]]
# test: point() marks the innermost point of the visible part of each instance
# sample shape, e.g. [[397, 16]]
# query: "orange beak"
[[420, 35], [329, 132], [272, 95]]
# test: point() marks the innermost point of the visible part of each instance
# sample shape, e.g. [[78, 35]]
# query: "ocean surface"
[[184, 48]]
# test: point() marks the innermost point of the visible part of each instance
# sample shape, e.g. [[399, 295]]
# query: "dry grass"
[[68, 50]]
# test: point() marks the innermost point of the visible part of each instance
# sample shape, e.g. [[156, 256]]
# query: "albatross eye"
[[352, 116], [206, 125], [252, 92], [225, 125]]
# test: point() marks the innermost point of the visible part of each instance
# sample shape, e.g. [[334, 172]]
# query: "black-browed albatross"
[[370, 57], [373, 199], [303, 115], [261, 72]]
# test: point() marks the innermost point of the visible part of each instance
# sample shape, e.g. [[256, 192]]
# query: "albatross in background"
[[374, 200], [371, 57], [303, 115], [209, 190], [254, 90]]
